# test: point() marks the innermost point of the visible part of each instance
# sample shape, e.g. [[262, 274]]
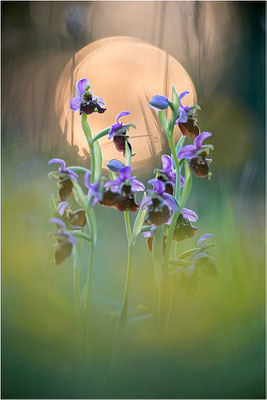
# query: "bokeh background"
[[215, 347]]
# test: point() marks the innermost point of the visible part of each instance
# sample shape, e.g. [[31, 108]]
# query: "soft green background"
[[215, 347]]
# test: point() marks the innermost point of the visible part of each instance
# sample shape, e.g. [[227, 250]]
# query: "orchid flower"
[[84, 101], [65, 242]]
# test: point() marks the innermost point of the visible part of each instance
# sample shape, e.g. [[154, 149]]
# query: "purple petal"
[[159, 102], [189, 214], [81, 85], [70, 237], [136, 185], [75, 103], [166, 163], [121, 114], [187, 152], [159, 186], [183, 118], [181, 181], [170, 201], [203, 238], [125, 173], [200, 138], [63, 205], [147, 234], [146, 201], [58, 222], [182, 95], [113, 185], [97, 196], [58, 161], [72, 174]]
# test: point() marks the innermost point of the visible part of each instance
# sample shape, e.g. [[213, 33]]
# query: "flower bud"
[[159, 102], [114, 165]]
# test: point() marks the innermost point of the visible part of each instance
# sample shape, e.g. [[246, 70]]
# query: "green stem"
[[124, 309], [88, 135], [128, 225], [88, 284], [76, 277]]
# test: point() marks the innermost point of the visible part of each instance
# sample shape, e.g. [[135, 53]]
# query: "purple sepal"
[[75, 103], [57, 161], [59, 222], [146, 202], [203, 238], [170, 201], [200, 138], [63, 205], [159, 186], [187, 152], [189, 214], [118, 125], [81, 86]]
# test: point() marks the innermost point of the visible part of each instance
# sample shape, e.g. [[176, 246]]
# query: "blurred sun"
[[125, 72]]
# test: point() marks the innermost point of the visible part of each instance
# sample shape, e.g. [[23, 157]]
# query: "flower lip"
[[159, 102]]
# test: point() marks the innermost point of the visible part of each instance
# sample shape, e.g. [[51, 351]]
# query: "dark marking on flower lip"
[[89, 107], [158, 215], [183, 229], [65, 188], [189, 128], [63, 250], [200, 166], [78, 218], [120, 142]]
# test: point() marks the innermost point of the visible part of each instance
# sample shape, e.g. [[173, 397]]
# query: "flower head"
[[118, 133], [183, 228], [183, 109], [168, 175], [77, 219], [65, 176], [84, 101], [197, 154], [159, 203], [185, 121], [64, 243], [119, 193]]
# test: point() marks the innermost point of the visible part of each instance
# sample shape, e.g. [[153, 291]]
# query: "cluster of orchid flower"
[[161, 216]]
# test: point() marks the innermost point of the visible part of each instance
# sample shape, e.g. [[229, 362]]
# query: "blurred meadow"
[[215, 344]]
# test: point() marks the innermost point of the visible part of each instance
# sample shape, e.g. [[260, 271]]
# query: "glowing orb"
[[126, 72]]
